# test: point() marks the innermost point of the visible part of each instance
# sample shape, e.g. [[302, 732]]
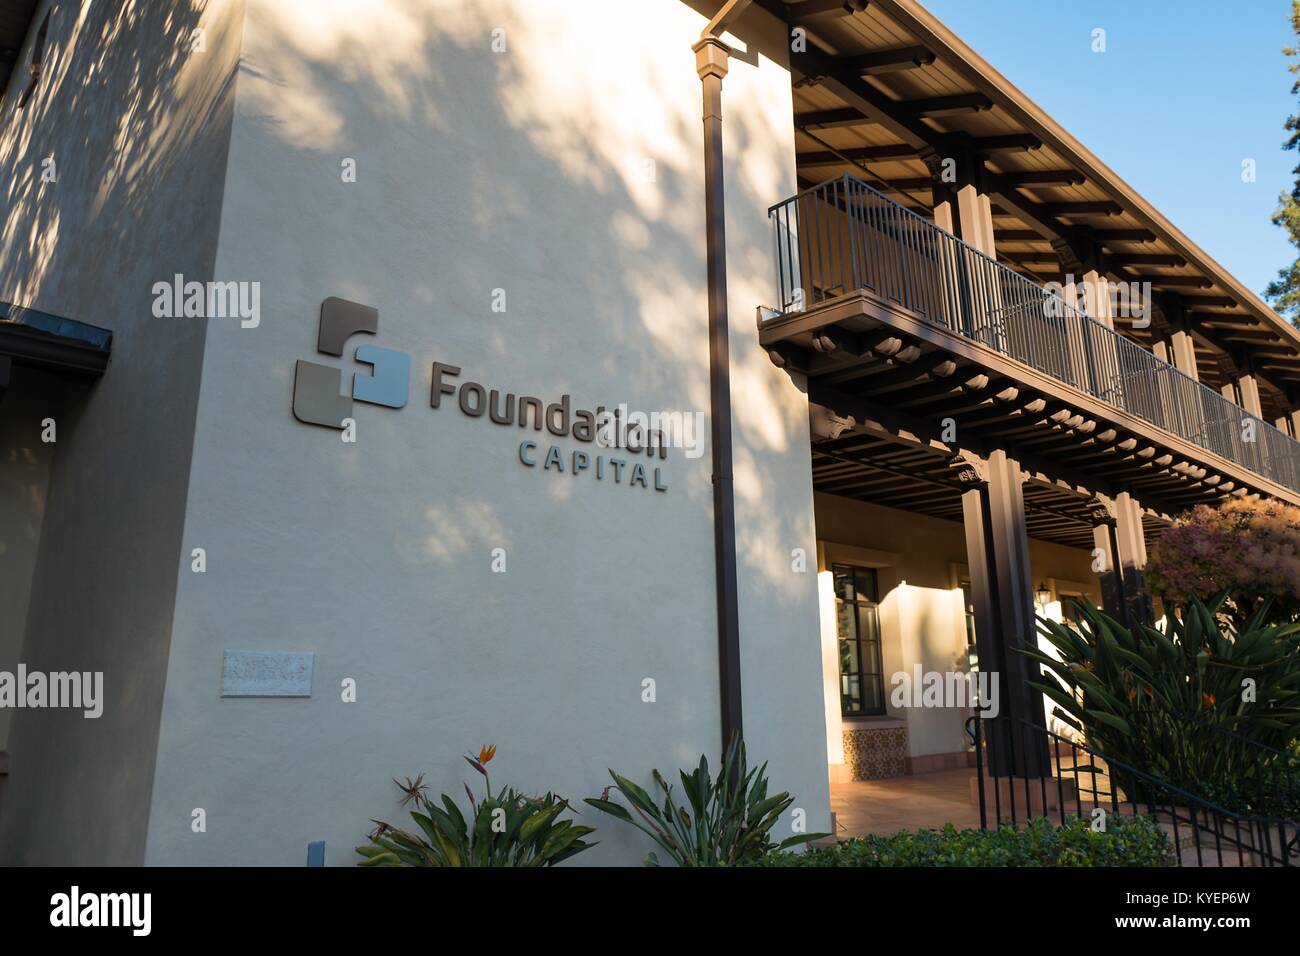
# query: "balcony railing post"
[[851, 227]]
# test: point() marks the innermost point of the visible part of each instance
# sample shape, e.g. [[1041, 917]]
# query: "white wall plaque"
[[266, 673]]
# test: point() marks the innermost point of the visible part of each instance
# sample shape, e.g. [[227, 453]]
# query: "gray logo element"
[[340, 319], [318, 397]]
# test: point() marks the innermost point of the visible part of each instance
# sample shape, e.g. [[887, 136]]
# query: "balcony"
[[877, 301]]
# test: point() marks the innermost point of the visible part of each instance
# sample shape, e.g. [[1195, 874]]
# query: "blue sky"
[[1184, 92]]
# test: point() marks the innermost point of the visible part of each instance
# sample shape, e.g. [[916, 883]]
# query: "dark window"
[[968, 601], [972, 651], [862, 683]]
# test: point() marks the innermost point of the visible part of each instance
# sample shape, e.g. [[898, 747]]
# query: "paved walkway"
[[916, 802], [929, 800]]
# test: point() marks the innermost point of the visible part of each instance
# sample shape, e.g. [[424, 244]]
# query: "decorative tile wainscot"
[[875, 748]]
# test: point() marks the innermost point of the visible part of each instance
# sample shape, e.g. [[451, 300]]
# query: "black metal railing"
[[844, 236], [1026, 771], [1199, 753]]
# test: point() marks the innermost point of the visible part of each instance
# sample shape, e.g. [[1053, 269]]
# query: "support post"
[[1106, 559], [997, 548], [1133, 558], [1183, 354], [1248, 389], [711, 56]]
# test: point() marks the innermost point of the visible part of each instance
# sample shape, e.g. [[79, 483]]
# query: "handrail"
[[1034, 772], [1266, 778], [844, 236]]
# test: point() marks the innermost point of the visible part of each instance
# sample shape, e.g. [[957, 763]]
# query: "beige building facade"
[[308, 550]]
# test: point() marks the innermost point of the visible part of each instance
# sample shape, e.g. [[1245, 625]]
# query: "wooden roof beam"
[[1179, 282], [1123, 259], [948, 105], [824, 8], [829, 119], [1009, 142], [1045, 177], [863, 154], [889, 61], [1101, 207]]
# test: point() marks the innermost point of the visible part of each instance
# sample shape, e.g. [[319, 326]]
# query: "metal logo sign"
[[317, 389], [619, 437]]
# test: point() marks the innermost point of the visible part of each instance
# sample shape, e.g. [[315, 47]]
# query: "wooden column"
[[943, 216], [950, 217], [1133, 558], [1248, 388], [1082, 367], [1107, 562], [1183, 354], [986, 225], [975, 214], [997, 552], [1097, 297]]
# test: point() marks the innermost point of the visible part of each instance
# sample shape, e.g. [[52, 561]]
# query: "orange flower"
[[1207, 700], [486, 753]]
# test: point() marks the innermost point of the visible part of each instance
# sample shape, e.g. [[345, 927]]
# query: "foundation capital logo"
[[318, 396]]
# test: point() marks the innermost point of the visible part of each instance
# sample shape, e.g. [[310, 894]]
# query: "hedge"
[[1136, 842]]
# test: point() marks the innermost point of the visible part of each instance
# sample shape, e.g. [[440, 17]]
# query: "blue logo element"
[[318, 397]]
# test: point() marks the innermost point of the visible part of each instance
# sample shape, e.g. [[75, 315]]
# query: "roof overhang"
[[886, 83], [33, 339]]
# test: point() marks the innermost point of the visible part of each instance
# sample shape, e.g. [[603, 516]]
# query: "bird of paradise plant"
[[1202, 705], [508, 829]]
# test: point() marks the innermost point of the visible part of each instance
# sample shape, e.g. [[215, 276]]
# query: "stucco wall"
[[566, 170], [921, 614], [24, 486], [136, 121]]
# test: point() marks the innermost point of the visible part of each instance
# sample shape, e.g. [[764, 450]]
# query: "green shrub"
[[1126, 842], [729, 822], [509, 829], [1171, 701]]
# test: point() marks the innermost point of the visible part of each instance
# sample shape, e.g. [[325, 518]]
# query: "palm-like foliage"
[[729, 820], [1194, 703]]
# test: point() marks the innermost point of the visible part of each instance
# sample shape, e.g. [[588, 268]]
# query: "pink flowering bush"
[[1251, 549]]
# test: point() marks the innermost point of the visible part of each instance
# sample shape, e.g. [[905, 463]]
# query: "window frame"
[[876, 707]]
